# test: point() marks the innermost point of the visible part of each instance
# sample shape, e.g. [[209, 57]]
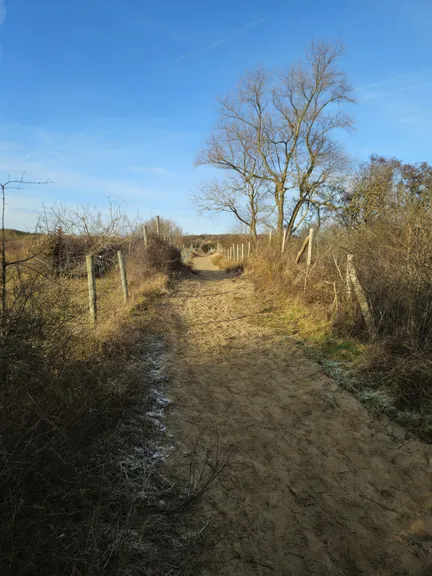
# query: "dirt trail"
[[318, 486]]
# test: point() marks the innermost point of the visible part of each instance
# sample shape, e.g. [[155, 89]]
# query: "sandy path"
[[317, 486]]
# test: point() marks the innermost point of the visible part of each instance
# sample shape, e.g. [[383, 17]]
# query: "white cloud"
[[2, 11], [220, 41], [394, 85]]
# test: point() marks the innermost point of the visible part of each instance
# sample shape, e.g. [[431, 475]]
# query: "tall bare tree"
[[245, 198], [285, 127], [244, 193]]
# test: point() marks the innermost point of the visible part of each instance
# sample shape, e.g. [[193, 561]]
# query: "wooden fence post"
[[310, 244], [242, 252], [284, 239], [145, 235], [361, 297], [123, 275], [302, 249], [238, 253], [348, 279], [91, 288], [158, 226], [249, 248]]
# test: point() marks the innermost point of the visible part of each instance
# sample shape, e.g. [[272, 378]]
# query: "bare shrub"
[[161, 255], [226, 264]]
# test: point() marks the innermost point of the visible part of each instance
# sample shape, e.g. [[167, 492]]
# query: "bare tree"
[[244, 193], [245, 198], [10, 185], [98, 225], [284, 127]]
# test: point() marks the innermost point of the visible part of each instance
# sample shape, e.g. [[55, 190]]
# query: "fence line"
[[123, 275], [91, 288], [352, 282]]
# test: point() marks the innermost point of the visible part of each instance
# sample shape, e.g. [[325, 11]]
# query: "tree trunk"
[[280, 197], [253, 227], [293, 218]]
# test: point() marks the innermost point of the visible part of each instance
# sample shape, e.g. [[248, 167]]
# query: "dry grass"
[[83, 491], [224, 263], [394, 265]]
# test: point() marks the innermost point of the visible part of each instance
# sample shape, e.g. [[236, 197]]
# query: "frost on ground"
[[164, 534], [153, 447]]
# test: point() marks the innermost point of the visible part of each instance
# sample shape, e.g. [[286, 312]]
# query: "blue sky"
[[113, 98]]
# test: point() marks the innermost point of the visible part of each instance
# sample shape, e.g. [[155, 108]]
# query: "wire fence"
[[238, 253], [94, 272]]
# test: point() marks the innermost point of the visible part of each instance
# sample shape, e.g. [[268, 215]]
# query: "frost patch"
[[142, 459]]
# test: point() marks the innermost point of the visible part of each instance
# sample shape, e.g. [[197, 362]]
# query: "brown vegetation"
[[394, 266], [83, 491], [224, 263]]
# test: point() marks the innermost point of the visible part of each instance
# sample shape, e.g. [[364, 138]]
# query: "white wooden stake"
[[348, 277], [123, 275], [310, 244], [362, 299], [91, 288], [284, 239]]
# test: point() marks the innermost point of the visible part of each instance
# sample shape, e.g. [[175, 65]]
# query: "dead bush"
[[162, 256]]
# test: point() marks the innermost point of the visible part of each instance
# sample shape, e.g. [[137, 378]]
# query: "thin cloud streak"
[[2, 11], [394, 85], [221, 41]]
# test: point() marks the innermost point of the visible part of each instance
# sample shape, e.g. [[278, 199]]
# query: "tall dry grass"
[[81, 491]]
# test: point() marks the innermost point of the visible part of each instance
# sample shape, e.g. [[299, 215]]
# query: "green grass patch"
[[340, 359]]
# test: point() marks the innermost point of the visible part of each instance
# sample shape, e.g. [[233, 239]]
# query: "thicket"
[[83, 491]]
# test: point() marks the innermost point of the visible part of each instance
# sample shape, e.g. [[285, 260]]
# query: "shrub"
[[161, 255]]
